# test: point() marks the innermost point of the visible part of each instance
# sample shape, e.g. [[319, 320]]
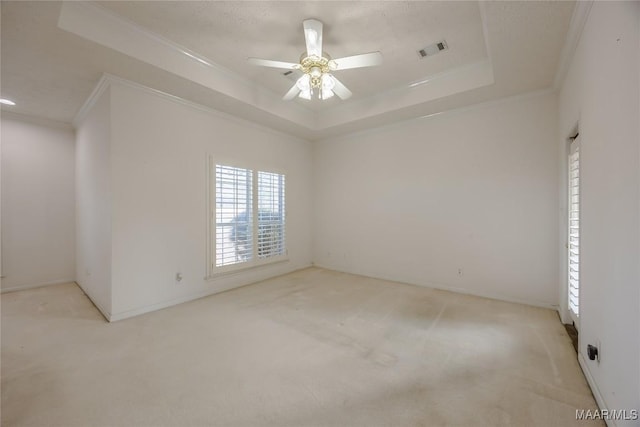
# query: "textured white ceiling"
[[229, 32], [50, 72]]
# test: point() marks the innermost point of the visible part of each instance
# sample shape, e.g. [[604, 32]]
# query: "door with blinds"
[[573, 231]]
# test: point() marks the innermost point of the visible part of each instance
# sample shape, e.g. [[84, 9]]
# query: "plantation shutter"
[[574, 228], [234, 215], [271, 215]]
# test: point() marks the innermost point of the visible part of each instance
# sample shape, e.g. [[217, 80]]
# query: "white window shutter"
[[574, 229], [271, 215], [234, 215], [249, 218]]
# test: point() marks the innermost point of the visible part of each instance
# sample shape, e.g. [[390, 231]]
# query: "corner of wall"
[[93, 197], [578, 20]]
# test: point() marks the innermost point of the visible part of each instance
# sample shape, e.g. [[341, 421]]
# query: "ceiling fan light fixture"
[[315, 72], [305, 94], [327, 82], [326, 93], [304, 82]]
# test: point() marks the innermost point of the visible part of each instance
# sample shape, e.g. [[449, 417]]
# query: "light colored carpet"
[[312, 348]]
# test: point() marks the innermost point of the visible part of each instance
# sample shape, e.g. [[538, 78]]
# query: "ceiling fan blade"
[[357, 61], [273, 64], [313, 37], [293, 92], [340, 89]]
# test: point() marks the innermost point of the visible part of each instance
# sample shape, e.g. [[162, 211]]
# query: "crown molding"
[[578, 20], [485, 30], [107, 80], [97, 25], [101, 87], [453, 111], [40, 121]]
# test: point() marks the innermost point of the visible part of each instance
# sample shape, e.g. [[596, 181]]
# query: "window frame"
[[214, 271]]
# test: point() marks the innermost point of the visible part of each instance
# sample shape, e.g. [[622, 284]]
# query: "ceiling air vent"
[[432, 49], [290, 75]]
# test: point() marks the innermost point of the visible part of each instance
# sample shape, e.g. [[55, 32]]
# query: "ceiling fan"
[[317, 67]]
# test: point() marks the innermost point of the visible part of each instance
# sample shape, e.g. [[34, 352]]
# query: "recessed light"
[[6, 101]]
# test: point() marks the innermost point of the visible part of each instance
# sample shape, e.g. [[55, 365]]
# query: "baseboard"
[[446, 287], [594, 389], [165, 304], [36, 285], [113, 317], [101, 309]]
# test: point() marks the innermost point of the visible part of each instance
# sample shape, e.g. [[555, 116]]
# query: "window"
[[249, 219], [573, 243], [234, 217], [270, 214]]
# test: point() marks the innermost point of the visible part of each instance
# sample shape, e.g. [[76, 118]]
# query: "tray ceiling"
[[53, 55]]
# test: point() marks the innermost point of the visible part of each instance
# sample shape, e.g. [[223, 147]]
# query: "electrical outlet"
[[178, 277], [460, 272]]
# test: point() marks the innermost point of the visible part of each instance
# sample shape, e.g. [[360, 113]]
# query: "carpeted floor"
[[312, 348]]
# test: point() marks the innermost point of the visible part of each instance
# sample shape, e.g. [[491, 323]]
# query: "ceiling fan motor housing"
[[315, 66]]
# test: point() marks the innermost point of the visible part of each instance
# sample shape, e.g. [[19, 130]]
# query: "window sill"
[[240, 270]]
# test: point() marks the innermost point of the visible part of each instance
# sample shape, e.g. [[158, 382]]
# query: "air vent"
[[432, 49], [291, 75]]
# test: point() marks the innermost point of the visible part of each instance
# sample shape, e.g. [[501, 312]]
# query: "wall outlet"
[[178, 277], [460, 272]]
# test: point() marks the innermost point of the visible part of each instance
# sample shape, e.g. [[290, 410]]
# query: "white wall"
[[159, 151], [94, 204], [600, 93], [474, 189], [38, 228]]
